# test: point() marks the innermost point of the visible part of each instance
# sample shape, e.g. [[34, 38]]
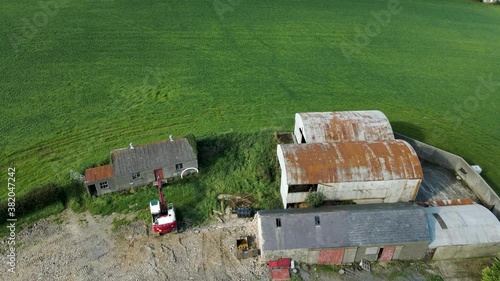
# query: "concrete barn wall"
[[99, 191], [405, 251], [456, 163], [362, 192], [284, 180], [392, 191], [467, 251], [298, 126]]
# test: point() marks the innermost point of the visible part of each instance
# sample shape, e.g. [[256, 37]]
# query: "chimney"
[[171, 138], [131, 145]]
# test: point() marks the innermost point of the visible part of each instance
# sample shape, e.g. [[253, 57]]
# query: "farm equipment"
[[162, 214]]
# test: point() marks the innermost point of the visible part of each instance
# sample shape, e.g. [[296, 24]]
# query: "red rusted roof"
[[349, 162], [280, 274], [99, 173], [369, 125]]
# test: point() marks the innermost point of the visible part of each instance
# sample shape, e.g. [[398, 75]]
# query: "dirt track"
[[83, 247]]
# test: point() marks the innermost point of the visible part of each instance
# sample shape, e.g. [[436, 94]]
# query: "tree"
[[315, 199], [492, 273]]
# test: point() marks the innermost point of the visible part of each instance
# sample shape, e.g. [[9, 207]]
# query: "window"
[[104, 185], [278, 223], [178, 167], [316, 220], [136, 176]]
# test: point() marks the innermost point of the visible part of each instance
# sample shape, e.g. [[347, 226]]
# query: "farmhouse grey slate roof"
[[151, 156], [343, 226]]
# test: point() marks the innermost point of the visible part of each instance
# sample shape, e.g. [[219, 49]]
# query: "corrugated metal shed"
[[127, 161], [369, 125], [462, 225], [349, 162], [98, 173], [343, 226]]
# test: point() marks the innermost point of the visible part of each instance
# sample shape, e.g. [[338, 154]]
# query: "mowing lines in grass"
[[39, 20], [372, 29], [462, 111]]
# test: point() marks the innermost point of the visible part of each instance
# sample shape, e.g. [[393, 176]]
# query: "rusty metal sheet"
[[369, 125], [387, 254], [331, 256], [99, 173], [280, 274], [349, 162]]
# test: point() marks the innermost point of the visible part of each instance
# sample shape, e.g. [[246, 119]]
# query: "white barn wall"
[[390, 191], [367, 192]]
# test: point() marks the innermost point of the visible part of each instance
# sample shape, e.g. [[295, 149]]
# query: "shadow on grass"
[[408, 129], [234, 163]]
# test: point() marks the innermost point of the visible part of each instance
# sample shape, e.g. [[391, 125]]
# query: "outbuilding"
[[142, 164], [364, 172], [341, 126], [344, 234], [463, 231]]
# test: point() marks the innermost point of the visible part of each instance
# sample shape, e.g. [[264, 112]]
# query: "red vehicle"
[[162, 214]]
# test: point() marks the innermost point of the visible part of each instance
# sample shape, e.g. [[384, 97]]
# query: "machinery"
[[162, 214]]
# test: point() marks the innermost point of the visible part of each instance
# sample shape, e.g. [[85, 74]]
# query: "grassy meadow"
[[79, 78]]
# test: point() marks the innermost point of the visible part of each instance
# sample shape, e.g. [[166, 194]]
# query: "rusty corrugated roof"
[[368, 125], [350, 162], [99, 173]]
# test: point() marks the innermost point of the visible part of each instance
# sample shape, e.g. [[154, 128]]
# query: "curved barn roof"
[[349, 162], [370, 125], [462, 225]]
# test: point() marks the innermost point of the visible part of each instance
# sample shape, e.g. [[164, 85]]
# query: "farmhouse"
[[344, 234], [464, 231], [318, 127], [365, 172], [139, 165]]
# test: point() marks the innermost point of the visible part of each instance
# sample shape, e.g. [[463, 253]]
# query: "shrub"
[[492, 273], [315, 199]]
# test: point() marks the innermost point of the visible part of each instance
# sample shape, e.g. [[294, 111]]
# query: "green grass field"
[[92, 76]]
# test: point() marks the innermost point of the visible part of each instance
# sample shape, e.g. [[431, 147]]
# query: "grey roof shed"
[[342, 226], [127, 161]]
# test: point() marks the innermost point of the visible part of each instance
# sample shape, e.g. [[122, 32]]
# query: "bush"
[[35, 200], [492, 273], [315, 199]]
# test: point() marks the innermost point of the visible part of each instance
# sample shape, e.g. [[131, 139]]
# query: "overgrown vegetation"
[[492, 273], [315, 199], [232, 163]]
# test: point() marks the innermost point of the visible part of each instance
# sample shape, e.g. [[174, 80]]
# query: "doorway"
[[302, 138], [158, 174], [92, 190], [386, 254]]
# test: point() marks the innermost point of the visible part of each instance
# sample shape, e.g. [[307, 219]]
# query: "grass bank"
[[233, 163]]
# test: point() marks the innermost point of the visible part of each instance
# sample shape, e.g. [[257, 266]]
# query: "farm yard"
[[79, 78]]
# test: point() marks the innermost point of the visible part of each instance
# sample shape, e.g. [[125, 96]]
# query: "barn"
[[365, 172], [344, 234], [142, 164], [463, 231], [339, 126]]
